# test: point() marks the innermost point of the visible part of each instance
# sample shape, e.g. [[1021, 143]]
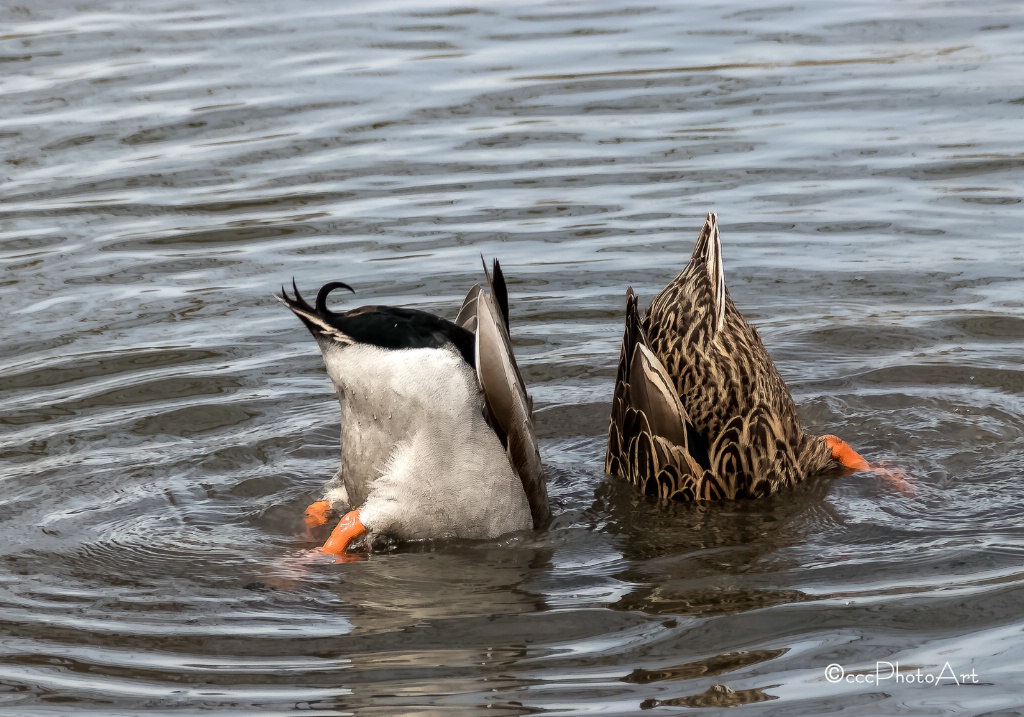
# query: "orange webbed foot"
[[894, 477], [849, 458], [317, 514], [344, 533], [842, 452]]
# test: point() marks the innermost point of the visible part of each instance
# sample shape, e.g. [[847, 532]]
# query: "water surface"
[[167, 166]]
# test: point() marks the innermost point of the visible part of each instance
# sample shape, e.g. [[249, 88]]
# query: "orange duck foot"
[[842, 452], [344, 533], [317, 513], [849, 458]]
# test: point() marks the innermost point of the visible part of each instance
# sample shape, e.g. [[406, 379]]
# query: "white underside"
[[418, 459]]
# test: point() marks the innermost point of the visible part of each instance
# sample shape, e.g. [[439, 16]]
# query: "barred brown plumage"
[[699, 411]]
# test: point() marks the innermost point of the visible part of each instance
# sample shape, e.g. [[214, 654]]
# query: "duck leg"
[[350, 528], [843, 453]]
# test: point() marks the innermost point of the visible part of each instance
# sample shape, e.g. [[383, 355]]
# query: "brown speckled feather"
[[728, 428]]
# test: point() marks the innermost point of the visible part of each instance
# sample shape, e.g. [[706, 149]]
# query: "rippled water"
[[166, 166]]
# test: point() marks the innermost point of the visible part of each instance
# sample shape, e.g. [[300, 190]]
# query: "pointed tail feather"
[[707, 253]]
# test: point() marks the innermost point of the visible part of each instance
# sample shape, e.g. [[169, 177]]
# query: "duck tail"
[[707, 253], [316, 318]]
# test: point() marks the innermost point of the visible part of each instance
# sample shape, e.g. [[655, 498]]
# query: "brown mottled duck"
[[700, 412]]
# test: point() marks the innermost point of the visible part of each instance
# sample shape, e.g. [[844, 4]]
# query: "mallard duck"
[[437, 436], [699, 410]]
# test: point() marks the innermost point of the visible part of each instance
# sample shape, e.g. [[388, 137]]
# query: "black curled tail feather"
[[317, 318], [321, 296]]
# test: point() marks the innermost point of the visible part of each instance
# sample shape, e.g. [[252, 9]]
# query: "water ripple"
[[167, 168]]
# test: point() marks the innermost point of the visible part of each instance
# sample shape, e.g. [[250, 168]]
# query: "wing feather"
[[651, 392], [506, 399], [467, 314]]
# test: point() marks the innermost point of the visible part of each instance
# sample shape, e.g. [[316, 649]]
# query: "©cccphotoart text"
[[886, 671]]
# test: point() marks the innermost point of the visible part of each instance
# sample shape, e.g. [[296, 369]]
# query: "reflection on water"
[[165, 422], [716, 696]]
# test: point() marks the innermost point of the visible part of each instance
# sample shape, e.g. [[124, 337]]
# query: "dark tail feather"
[[498, 289], [321, 296]]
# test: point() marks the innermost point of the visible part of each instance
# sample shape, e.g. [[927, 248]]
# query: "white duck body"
[[437, 436], [417, 455]]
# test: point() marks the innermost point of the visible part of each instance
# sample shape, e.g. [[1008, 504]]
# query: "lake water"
[[167, 165]]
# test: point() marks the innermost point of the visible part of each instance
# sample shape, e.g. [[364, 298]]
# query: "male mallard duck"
[[437, 435], [700, 411]]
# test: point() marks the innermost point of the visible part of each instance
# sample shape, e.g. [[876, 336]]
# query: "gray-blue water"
[[165, 166]]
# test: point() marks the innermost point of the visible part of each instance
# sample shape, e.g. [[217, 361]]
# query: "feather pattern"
[[699, 410], [509, 407]]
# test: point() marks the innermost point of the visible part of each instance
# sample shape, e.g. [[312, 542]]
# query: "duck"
[[437, 432], [699, 410]]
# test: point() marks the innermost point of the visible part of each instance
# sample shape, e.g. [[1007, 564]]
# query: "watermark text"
[[891, 672]]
